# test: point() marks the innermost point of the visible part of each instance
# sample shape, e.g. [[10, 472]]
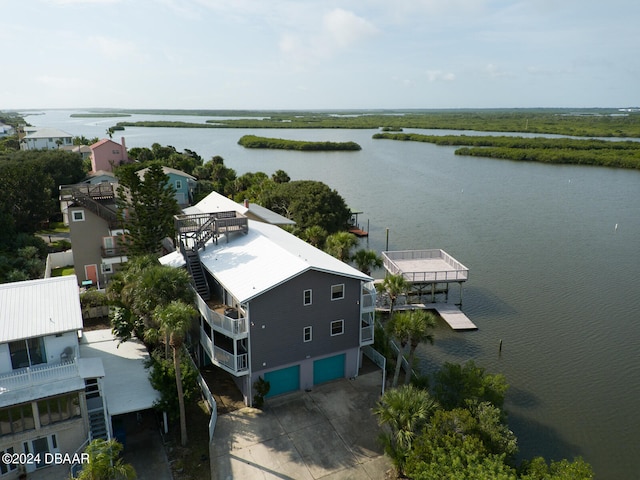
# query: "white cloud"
[[439, 75], [339, 30], [345, 28]]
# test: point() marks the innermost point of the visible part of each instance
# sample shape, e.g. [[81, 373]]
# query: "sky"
[[319, 54]]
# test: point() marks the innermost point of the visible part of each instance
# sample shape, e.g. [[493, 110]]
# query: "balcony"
[[116, 251], [43, 380], [235, 364], [223, 318], [366, 334]]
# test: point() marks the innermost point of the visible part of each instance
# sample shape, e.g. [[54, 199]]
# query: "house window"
[[337, 328], [27, 353], [58, 409], [178, 184], [16, 419], [307, 334], [106, 268], [306, 297], [115, 152], [6, 468], [337, 291], [77, 215]]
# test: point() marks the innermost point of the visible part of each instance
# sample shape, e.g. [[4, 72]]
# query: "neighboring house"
[[95, 231], [83, 150], [183, 183], [6, 130], [44, 139], [50, 399], [101, 176], [60, 388], [272, 305], [107, 154], [214, 202]]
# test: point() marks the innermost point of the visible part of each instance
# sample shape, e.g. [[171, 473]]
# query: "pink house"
[[107, 154]]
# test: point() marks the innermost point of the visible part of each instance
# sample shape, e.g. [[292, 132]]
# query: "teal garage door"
[[328, 369], [284, 380]]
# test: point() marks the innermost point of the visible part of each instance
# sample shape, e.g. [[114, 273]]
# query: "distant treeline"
[[581, 123], [252, 141], [163, 123], [539, 149], [99, 115]]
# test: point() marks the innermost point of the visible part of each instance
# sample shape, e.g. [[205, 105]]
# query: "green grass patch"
[[54, 227], [62, 271]]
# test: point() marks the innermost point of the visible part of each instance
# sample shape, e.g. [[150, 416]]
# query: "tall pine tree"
[[147, 207]]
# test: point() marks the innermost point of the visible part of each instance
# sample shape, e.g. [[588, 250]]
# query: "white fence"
[[57, 260]]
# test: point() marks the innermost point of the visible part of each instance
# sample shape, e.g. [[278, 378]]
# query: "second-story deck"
[[47, 379], [223, 318], [425, 266]]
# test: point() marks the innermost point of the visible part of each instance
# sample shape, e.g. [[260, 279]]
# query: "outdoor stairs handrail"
[[88, 201]]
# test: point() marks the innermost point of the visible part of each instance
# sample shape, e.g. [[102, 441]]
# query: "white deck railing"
[[38, 375], [235, 364], [458, 272], [231, 327]]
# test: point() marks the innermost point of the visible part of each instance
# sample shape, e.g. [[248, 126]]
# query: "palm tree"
[[393, 286], [399, 327], [366, 260], [174, 321], [104, 462], [404, 410], [340, 244], [315, 235], [420, 324]]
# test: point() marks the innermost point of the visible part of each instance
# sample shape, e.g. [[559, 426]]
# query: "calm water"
[[550, 275]]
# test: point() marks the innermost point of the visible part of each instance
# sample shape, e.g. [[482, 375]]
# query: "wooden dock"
[[453, 316], [448, 312]]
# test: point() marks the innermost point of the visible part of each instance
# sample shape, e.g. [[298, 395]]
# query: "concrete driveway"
[[328, 433]]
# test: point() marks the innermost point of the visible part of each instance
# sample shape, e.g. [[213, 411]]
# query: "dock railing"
[[457, 273]]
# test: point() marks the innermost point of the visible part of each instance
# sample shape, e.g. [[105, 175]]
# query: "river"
[[553, 253]]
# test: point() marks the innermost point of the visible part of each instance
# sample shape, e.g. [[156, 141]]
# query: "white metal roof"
[[249, 265], [269, 216], [126, 381], [214, 202], [35, 308], [47, 133], [166, 170]]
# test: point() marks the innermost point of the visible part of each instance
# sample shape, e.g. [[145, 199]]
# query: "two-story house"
[[50, 399], [95, 230], [183, 183], [272, 305], [107, 154], [36, 138]]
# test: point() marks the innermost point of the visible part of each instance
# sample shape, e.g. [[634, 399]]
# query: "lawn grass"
[[62, 271], [54, 227]]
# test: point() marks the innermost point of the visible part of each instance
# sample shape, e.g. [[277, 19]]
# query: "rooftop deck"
[[425, 266]]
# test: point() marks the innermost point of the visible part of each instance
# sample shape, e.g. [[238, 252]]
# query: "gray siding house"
[[95, 231], [272, 305]]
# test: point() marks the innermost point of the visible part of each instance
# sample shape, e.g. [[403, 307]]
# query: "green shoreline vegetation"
[[99, 115], [622, 154], [253, 141], [579, 123]]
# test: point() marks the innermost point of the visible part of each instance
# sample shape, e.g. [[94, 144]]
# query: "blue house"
[[183, 183]]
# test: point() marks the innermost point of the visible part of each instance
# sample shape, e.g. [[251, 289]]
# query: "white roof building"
[[40, 307]]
